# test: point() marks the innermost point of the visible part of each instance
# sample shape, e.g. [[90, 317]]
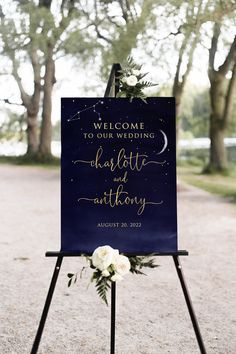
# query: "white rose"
[[131, 80], [105, 273], [115, 254], [103, 256], [121, 264], [136, 72], [124, 79], [116, 277]]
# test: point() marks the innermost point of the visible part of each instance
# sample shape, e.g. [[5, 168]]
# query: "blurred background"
[[52, 49], [65, 48]]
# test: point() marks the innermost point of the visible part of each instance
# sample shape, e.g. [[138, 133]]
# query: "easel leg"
[[189, 305], [113, 316], [47, 305]]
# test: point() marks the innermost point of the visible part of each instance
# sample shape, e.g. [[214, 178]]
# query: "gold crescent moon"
[[165, 142]]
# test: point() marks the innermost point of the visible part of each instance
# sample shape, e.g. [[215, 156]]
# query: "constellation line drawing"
[[77, 116]]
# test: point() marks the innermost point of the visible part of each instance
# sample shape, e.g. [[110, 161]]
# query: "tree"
[[197, 14], [49, 37], [190, 31], [117, 25], [38, 36], [186, 23], [12, 41], [52, 35], [222, 92]]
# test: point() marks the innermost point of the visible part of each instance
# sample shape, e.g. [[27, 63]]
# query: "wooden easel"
[[111, 91]]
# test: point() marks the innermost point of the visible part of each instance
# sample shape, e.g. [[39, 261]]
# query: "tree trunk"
[[177, 92], [46, 127], [178, 99], [218, 153], [221, 95], [32, 134]]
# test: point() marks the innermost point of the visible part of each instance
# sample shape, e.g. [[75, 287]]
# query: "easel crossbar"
[[79, 254]]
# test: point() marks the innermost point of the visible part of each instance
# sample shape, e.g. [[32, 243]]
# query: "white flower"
[[116, 277], [131, 80], [103, 256], [121, 264], [136, 72], [115, 254], [105, 273], [124, 79]]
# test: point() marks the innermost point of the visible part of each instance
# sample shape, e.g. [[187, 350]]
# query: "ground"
[[152, 317]]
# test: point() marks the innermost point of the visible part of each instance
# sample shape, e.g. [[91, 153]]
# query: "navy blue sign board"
[[118, 175]]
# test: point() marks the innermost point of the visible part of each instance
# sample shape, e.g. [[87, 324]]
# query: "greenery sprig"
[[131, 83], [139, 262], [110, 266]]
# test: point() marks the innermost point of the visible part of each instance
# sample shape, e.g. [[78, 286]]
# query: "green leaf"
[[121, 94], [102, 286], [139, 262]]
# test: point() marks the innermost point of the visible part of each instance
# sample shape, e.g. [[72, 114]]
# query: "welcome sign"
[[118, 175]]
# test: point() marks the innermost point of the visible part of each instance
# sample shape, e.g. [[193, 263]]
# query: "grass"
[[220, 184]]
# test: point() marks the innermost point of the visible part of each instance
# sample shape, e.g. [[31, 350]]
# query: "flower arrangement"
[[131, 83], [110, 266]]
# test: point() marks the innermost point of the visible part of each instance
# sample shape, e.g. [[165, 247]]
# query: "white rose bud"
[[136, 72], [116, 277], [124, 79], [121, 265], [105, 273], [102, 257], [131, 80]]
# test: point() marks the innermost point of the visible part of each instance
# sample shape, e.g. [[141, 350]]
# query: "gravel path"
[[151, 314]]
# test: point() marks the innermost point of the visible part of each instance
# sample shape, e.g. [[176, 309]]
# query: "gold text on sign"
[[120, 198], [135, 162]]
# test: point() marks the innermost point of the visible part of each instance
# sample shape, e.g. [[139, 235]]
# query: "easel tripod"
[[111, 91]]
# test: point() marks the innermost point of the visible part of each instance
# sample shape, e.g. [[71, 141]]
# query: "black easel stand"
[[57, 268], [111, 91]]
